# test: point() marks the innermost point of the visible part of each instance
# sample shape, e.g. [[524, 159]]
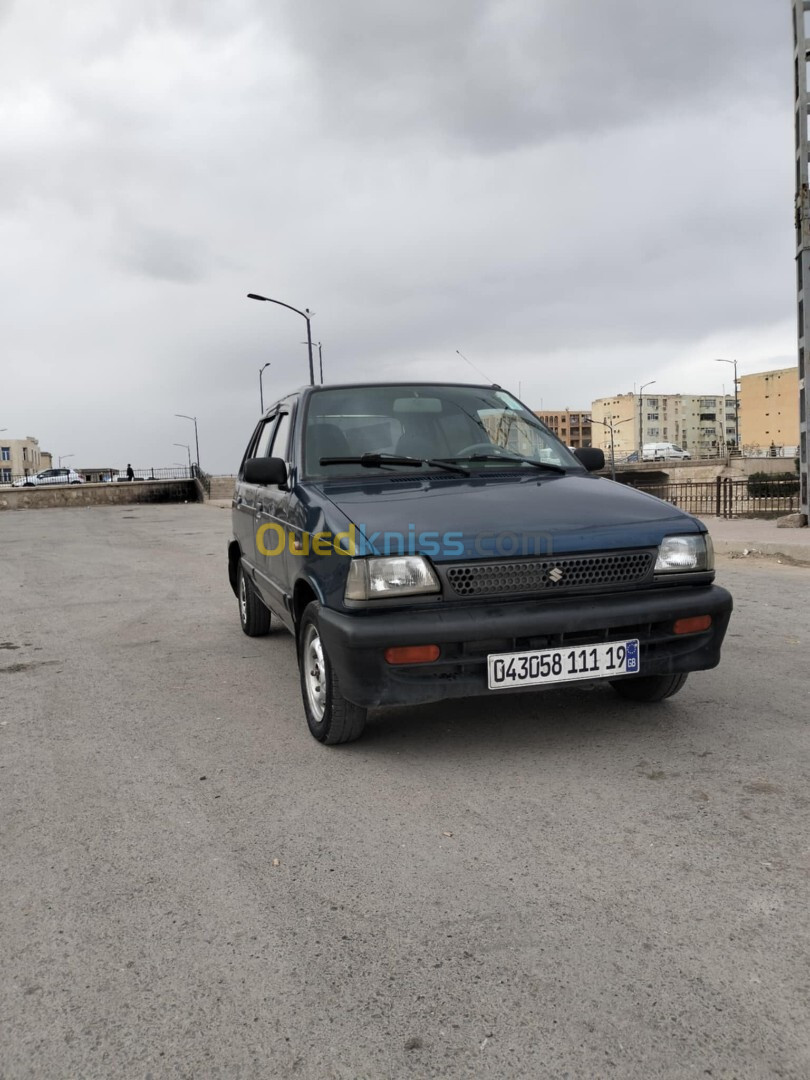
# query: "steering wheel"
[[484, 448]]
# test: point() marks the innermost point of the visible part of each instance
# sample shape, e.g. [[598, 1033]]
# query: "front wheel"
[[253, 615], [331, 717], [649, 687]]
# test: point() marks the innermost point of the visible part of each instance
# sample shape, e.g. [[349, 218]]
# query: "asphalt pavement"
[[555, 885]]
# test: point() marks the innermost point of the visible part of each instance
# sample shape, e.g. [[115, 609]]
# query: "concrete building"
[[21, 457], [572, 428], [98, 474], [769, 410], [701, 424]]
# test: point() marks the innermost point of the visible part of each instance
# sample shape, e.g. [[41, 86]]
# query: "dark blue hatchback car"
[[427, 541]]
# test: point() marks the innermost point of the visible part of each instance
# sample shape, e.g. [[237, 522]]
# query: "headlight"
[[403, 575], [684, 553]]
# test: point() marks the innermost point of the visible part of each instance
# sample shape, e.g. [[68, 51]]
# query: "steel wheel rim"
[[314, 673], [242, 598]]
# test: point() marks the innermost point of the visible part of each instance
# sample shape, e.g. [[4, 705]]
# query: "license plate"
[[603, 661]]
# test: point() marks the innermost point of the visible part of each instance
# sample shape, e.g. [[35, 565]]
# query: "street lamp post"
[[261, 389], [611, 426], [188, 451], [718, 360], [193, 419], [320, 358], [305, 314], [63, 457], [641, 418]]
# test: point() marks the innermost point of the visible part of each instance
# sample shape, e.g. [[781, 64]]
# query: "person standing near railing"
[[130, 473]]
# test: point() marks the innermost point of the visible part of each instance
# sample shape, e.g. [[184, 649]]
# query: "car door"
[[244, 503], [272, 526]]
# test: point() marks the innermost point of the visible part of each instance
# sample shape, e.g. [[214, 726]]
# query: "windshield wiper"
[[375, 461], [513, 457]]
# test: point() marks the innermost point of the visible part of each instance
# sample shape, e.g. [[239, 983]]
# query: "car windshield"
[[484, 428]]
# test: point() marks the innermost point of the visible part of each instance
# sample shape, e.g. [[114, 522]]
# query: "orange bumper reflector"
[[412, 654], [693, 625]]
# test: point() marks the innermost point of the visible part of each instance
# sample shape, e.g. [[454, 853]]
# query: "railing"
[[94, 476], [724, 497], [203, 477]]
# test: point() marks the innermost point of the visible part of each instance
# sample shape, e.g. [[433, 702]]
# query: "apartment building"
[[21, 457], [572, 428], [703, 424], [769, 409]]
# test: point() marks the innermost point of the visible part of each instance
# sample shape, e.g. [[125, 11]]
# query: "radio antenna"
[[486, 378]]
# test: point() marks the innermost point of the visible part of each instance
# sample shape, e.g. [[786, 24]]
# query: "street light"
[[320, 358], [641, 390], [188, 451], [193, 419], [261, 390], [64, 457], [718, 360], [610, 426], [305, 314]]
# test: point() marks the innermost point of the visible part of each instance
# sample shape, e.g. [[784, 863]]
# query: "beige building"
[[572, 428], [769, 409], [21, 457], [701, 424]]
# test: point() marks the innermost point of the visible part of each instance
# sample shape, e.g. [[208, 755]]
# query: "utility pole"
[[802, 206], [736, 405], [611, 425]]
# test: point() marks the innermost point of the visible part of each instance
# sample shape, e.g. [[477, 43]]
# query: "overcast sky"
[[579, 196]]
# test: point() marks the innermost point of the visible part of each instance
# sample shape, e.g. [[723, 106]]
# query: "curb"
[[795, 554]]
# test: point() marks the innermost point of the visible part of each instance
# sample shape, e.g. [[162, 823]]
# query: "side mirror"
[[265, 470], [592, 458]]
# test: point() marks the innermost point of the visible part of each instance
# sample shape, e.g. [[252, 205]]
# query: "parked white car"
[[49, 476], [661, 451]]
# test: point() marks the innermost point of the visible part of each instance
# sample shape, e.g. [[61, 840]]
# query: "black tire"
[[649, 687], [331, 717], [253, 615]]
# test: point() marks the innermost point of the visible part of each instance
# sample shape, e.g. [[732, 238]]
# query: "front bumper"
[[467, 633]]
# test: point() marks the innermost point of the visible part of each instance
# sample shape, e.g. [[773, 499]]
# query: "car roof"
[[307, 390]]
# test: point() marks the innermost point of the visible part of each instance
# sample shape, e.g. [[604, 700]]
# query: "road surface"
[[559, 885]]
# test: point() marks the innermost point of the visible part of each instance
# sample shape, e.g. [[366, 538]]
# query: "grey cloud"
[[498, 74], [568, 193], [160, 254]]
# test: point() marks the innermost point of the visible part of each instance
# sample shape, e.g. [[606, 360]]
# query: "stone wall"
[[222, 487], [139, 491], [678, 472]]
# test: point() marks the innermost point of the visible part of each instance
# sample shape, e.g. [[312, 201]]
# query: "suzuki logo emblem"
[[555, 575]]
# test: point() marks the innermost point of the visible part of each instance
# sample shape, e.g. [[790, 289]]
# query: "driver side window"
[[265, 437], [281, 438]]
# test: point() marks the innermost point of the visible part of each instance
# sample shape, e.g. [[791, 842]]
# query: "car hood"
[[480, 517]]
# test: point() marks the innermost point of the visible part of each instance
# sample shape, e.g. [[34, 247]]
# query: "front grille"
[[545, 575]]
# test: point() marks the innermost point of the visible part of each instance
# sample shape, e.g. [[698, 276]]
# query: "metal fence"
[[203, 477], [724, 497], [94, 476]]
